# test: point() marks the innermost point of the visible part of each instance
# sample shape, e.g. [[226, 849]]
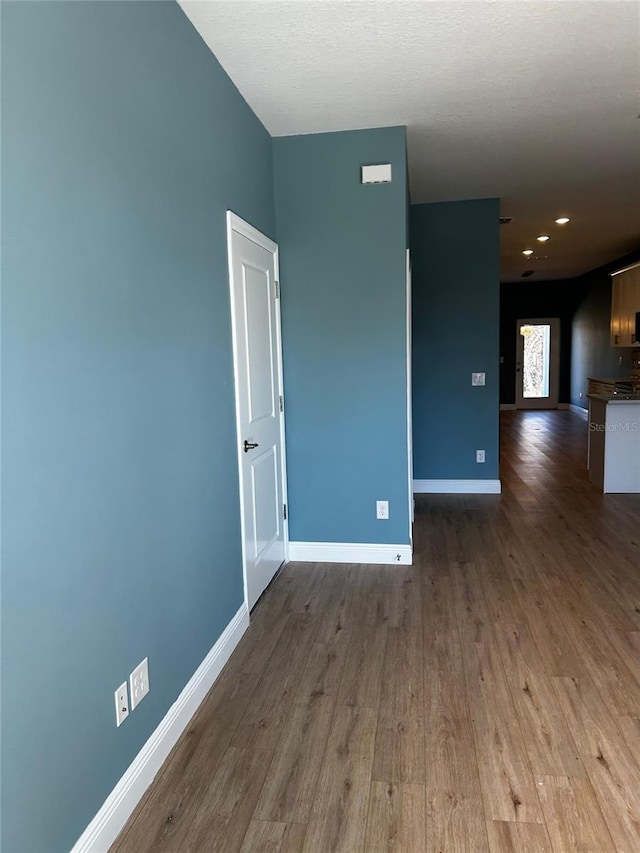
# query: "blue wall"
[[343, 287], [592, 353], [455, 256], [123, 144]]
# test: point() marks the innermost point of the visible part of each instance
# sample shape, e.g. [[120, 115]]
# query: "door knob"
[[249, 445]]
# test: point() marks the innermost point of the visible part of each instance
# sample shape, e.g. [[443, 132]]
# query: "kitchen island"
[[614, 442]]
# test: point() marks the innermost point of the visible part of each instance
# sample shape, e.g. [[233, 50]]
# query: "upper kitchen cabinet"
[[625, 304]]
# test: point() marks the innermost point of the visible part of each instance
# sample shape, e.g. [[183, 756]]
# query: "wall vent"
[[505, 220]]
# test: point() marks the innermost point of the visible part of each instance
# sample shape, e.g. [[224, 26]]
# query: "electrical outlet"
[[122, 704], [382, 509], [480, 456], [478, 379], [139, 683]]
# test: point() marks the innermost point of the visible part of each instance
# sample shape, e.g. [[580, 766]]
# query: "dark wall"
[[455, 255], [592, 353], [530, 301]]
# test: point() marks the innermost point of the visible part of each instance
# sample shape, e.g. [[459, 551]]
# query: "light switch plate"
[[478, 379]]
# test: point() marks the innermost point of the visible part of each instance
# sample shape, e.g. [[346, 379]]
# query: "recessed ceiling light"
[[562, 220], [543, 238], [528, 252]]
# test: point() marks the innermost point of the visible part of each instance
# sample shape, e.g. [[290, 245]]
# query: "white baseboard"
[[579, 410], [117, 808], [349, 552], [457, 487], [512, 407]]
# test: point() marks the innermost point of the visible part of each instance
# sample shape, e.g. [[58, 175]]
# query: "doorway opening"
[[537, 363]]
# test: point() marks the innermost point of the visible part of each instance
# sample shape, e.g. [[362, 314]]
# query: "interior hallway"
[[485, 699]]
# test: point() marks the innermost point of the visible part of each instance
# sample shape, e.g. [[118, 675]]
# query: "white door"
[[255, 314], [537, 364]]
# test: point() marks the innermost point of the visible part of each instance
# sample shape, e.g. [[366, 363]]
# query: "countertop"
[[616, 399]]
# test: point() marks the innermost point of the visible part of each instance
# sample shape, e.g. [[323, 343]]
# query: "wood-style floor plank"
[[264, 718], [265, 837], [397, 818], [362, 673], [508, 788], [442, 648], [455, 813], [338, 818], [485, 699], [548, 741], [573, 816], [399, 747], [612, 770], [287, 795], [226, 810], [518, 838]]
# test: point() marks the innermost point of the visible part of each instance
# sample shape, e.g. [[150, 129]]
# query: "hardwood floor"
[[485, 699]]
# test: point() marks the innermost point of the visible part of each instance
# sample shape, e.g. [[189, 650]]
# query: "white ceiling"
[[534, 102]]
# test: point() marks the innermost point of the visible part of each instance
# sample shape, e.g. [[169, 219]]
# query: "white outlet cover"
[[478, 379], [382, 510], [480, 456], [122, 704], [139, 683]]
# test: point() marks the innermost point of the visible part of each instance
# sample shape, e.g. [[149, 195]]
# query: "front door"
[[255, 311], [537, 364]]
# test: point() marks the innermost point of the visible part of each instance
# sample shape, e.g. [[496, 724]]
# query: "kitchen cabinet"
[[625, 304]]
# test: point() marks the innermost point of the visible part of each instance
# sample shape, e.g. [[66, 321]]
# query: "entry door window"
[[536, 361]]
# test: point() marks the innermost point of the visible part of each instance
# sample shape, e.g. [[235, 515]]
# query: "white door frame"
[[552, 401], [409, 400], [238, 225]]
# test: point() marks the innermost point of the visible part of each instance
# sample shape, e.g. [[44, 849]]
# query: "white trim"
[[283, 438], [349, 552], [578, 410], [117, 808], [409, 398], [625, 269], [457, 487], [237, 224], [508, 407]]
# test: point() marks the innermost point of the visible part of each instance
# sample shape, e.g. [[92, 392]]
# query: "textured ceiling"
[[534, 102]]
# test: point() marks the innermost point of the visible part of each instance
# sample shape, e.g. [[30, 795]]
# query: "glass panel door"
[[537, 364]]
